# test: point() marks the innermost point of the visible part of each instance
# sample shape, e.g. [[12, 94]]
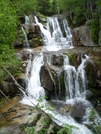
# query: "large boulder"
[[81, 36], [91, 73], [78, 109], [46, 78], [52, 79]]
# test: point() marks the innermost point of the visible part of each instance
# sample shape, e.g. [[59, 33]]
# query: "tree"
[[43, 6], [8, 21], [23, 7]]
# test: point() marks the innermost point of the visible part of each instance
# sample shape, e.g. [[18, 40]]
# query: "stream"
[[56, 35]]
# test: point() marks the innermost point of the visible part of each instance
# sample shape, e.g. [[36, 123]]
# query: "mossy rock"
[[91, 74], [74, 59]]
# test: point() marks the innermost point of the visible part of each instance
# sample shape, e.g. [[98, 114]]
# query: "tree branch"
[[26, 95], [5, 96]]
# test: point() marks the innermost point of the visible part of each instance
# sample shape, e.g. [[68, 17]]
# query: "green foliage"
[[24, 7], [92, 115], [43, 6], [96, 127], [79, 16], [69, 56], [8, 21], [94, 28], [67, 129], [31, 130]]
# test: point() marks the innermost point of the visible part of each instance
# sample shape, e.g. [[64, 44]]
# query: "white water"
[[53, 36], [64, 119], [73, 90], [26, 44], [34, 87], [75, 81], [27, 20]]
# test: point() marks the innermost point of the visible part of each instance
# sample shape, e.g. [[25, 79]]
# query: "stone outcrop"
[[33, 34], [52, 80], [81, 36], [17, 118], [93, 71]]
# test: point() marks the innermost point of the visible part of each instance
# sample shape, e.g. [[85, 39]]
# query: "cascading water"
[[53, 36], [26, 44], [75, 80], [27, 20], [34, 87]]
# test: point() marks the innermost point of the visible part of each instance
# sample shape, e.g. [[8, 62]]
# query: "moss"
[[69, 56], [90, 81], [41, 16], [35, 39]]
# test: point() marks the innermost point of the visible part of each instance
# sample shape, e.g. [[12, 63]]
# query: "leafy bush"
[[8, 25], [95, 122]]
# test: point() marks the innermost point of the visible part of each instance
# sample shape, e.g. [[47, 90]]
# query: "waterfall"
[[66, 60], [27, 21], [53, 36], [80, 82], [26, 44], [75, 81], [34, 87], [67, 30]]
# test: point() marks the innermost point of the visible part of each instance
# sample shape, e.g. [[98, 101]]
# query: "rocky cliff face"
[[81, 36]]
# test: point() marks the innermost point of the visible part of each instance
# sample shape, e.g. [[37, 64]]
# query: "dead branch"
[[26, 95], [5, 96]]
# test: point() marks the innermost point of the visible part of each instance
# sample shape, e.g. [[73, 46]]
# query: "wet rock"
[[77, 110], [89, 94], [34, 32], [57, 60], [52, 79], [46, 78], [35, 42], [9, 88], [22, 55], [75, 59], [91, 73], [22, 80], [18, 43]]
